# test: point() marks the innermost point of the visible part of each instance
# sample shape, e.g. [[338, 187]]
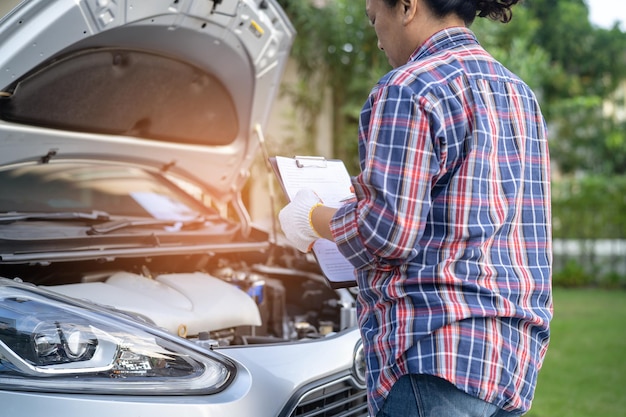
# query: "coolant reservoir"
[[184, 304]]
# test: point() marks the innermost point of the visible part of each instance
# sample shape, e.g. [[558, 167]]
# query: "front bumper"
[[272, 380]]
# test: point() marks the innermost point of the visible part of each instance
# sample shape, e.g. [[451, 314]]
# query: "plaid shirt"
[[451, 232]]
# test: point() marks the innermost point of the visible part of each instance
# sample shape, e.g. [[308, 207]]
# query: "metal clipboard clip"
[[310, 161]]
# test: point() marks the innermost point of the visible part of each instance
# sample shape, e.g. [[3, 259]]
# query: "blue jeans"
[[429, 396]]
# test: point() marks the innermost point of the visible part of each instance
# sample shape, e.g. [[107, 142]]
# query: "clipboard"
[[330, 179]]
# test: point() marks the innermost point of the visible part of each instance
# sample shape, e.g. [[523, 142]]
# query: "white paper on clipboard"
[[330, 179]]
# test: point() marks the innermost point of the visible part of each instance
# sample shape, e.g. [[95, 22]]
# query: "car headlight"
[[49, 343]]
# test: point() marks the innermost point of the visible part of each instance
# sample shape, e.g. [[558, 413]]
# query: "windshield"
[[118, 190]]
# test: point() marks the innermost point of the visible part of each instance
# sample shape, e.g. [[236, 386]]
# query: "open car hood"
[[182, 84]]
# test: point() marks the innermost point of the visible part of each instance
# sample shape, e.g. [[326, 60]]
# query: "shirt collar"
[[445, 39]]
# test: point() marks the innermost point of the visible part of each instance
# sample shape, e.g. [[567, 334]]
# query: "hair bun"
[[499, 10]]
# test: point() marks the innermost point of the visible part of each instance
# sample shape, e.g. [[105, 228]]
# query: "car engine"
[[213, 301]]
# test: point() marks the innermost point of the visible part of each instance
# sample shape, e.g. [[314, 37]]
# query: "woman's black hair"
[[468, 10]]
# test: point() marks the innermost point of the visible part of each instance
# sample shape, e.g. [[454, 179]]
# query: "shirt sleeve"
[[400, 157]]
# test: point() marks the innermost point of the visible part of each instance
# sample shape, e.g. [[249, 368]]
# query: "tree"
[[573, 67], [336, 51], [588, 64]]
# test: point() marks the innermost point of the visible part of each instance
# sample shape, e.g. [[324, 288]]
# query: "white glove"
[[295, 219]]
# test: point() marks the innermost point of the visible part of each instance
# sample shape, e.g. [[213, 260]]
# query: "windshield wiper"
[[112, 226], [95, 215], [103, 219]]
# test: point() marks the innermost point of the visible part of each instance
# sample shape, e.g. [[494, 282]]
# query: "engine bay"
[[214, 301]]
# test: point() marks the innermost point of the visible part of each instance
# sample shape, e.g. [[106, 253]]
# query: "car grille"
[[336, 399]]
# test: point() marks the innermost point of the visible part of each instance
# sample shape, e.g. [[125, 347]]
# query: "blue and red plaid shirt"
[[451, 230]]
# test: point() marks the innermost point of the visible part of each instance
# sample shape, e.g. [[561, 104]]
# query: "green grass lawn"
[[584, 374]]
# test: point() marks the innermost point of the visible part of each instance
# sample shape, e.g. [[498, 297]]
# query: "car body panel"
[[132, 279], [289, 368], [235, 42]]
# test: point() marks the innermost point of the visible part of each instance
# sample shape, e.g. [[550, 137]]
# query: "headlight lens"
[[50, 344], [55, 342]]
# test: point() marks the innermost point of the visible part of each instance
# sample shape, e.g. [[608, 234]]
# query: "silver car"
[[133, 281]]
